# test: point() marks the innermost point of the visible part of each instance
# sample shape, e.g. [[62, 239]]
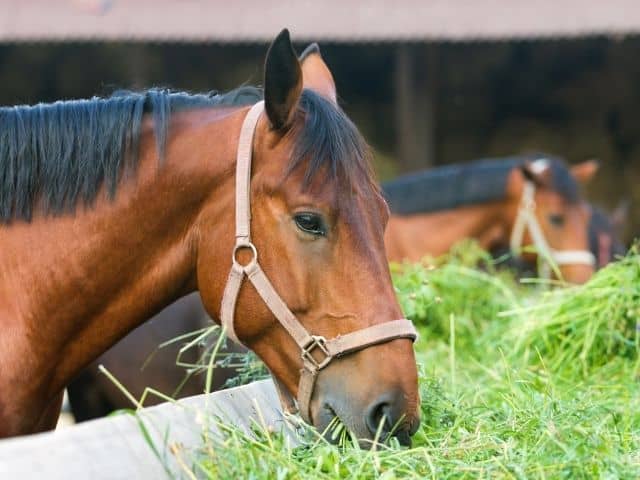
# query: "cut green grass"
[[515, 383], [585, 326]]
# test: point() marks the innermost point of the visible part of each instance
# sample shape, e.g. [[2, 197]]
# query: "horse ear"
[[584, 172], [316, 75], [620, 215], [536, 172], [282, 82]]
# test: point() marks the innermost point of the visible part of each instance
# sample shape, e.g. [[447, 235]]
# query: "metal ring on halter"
[[240, 246]]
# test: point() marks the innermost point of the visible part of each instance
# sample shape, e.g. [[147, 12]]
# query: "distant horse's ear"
[[282, 82], [584, 172], [538, 172], [316, 75], [620, 215]]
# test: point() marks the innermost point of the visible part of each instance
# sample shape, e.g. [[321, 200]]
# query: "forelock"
[[329, 147]]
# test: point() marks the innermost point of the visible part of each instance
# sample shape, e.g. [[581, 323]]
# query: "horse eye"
[[556, 219], [310, 223]]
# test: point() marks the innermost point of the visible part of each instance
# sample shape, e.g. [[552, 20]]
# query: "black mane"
[[473, 183], [54, 156]]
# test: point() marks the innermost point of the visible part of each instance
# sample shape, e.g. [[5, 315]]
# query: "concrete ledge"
[[115, 447]]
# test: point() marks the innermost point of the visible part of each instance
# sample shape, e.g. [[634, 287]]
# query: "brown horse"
[[111, 214], [512, 202]]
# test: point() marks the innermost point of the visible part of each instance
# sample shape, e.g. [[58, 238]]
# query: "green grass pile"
[[515, 383], [453, 288], [585, 326]]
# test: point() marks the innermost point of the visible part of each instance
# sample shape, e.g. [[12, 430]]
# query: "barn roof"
[[247, 21]]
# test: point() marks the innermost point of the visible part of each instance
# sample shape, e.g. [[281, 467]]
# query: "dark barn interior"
[[420, 101]]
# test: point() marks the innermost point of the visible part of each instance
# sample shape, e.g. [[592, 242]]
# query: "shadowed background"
[[428, 83]]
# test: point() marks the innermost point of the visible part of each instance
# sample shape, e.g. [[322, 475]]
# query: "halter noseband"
[[526, 219], [311, 346]]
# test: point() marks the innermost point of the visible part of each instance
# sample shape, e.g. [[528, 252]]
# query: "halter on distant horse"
[[309, 344], [526, 220]]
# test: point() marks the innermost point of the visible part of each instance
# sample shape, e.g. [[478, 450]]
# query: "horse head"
[[549, 214], [324, 305]]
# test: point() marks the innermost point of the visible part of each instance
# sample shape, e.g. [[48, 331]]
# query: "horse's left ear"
[[620, 215], [584, 172], [316, 75], [282, 82]]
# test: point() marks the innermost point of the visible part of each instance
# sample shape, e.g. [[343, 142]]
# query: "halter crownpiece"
[[526, 220], [316, 351]]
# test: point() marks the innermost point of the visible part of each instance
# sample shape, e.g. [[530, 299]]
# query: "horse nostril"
[[378, 418], [386, 416]]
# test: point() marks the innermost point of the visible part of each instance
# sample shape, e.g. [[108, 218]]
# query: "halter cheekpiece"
[[316, 351], [526, 220]]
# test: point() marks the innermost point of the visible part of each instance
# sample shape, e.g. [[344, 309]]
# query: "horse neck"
[[411, 237], [87, 279]]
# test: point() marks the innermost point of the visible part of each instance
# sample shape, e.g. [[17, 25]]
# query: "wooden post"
[[138, 65], [415, 105]]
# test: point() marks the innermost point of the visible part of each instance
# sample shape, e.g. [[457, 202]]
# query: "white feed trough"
[[115, 447]]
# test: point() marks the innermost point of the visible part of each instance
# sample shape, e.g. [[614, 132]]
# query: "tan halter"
[[312, 346]]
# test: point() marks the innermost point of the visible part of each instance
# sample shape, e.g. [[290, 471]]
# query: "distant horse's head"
[[317, 223], [551, 215]]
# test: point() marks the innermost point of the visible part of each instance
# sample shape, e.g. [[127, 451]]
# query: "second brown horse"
[[487, 200]]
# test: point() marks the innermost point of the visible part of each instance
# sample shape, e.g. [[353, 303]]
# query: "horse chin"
[[577, 274], [353, 425], [328, 422]]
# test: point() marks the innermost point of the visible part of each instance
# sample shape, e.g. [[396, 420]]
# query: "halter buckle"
[[320, 343]]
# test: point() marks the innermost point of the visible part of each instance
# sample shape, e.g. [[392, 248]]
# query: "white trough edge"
[[115, 447]]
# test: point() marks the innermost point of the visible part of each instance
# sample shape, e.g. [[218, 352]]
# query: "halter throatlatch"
[[316, 351], [526, 219]]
